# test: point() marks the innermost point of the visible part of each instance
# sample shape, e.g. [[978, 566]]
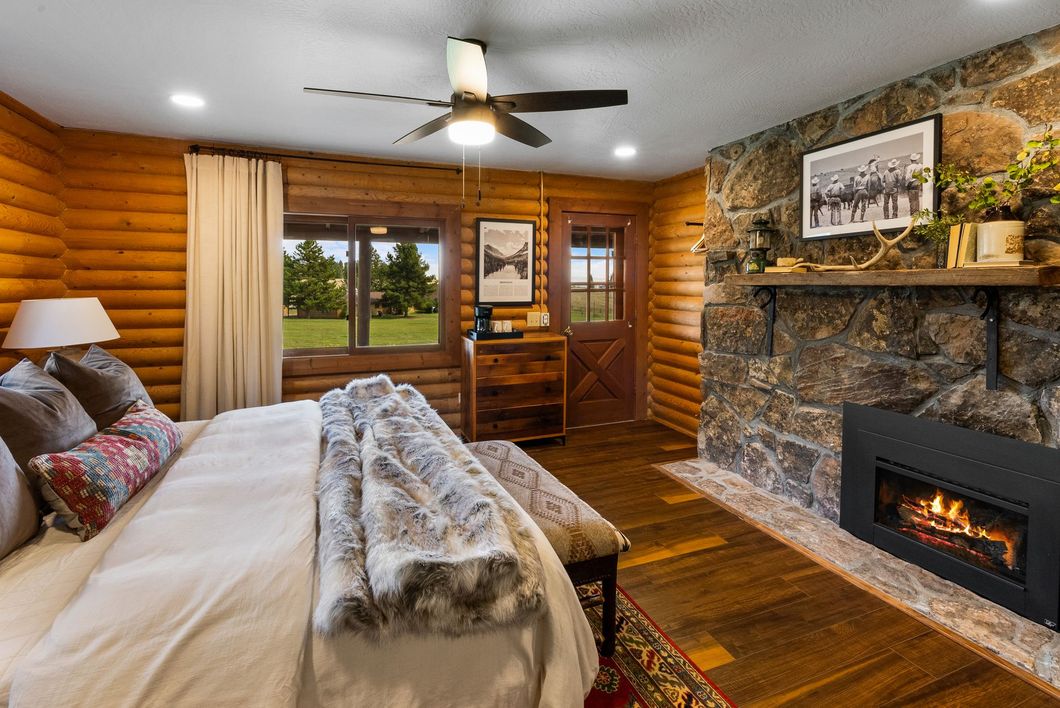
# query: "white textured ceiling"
[[699, 73]]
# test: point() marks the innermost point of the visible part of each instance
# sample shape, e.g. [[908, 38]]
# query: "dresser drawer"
[[519, 393], [529, 421]]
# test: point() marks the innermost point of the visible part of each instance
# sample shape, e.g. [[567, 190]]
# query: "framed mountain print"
[[506, 252]]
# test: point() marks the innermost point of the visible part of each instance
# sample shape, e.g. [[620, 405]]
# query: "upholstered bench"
[[586, 543]]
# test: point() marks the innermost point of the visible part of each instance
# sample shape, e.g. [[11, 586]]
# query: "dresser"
[[514, 389]]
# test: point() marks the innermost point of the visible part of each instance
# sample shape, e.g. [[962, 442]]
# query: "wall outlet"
[[544, 319], [533, 318]]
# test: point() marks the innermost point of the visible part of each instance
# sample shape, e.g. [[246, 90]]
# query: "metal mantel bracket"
[[769, 306], [992, 316]]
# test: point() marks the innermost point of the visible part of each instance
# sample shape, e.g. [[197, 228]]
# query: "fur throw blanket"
[[415, 535]]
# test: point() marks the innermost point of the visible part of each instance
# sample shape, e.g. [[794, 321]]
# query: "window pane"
[[598, 306], [598, 270], [579, 242], [316, 276], [579, 271], [400, 300], [578, 305], [599, 242]]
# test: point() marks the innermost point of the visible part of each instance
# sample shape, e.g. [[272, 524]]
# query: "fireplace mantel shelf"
[[987, 280], [1025, 276]]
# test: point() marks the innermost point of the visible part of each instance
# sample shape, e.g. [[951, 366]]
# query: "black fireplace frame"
[[1011, 473]]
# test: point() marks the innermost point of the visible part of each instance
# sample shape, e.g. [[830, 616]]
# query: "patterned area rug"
[[647, 670]]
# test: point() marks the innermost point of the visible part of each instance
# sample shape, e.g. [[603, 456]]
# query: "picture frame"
[[505, 259], [868, 191]]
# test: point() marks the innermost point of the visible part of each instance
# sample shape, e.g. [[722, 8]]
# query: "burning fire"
[[950, 516]]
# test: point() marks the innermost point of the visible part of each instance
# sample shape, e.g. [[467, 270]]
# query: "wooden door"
[[593, 302]]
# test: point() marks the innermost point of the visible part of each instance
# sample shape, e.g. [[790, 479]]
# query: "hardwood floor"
[[769, 626]]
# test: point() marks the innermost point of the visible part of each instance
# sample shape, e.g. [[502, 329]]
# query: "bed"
[[202, 590]]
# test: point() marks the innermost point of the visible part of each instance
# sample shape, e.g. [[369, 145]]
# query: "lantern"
[[758, 239]]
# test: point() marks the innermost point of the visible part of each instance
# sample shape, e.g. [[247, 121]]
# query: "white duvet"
[[205, 598]]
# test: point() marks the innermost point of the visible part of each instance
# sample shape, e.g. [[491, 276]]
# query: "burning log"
[[959, 538]]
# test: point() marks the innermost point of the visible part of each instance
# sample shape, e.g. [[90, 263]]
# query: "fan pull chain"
[[479, 200], [463, 172]]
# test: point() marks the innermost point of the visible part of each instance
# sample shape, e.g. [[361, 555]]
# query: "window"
[[596, 285], [354, 283]]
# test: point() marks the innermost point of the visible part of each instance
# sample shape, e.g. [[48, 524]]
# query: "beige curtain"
[[233, 341]]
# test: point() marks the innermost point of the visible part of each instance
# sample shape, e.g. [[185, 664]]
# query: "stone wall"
[[777, 420]]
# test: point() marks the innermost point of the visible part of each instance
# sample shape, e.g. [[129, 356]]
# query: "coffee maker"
[[483, 315]]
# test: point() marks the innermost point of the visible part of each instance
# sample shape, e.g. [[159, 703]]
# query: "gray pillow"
[[19, 513], [38, 414], [104, 385]]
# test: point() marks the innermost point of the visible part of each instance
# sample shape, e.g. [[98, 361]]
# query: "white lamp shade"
[[59, 322]]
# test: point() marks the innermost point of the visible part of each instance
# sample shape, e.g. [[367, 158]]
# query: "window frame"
[[354, 359]]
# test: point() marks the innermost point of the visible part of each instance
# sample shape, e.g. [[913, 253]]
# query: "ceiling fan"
[[475, 116]]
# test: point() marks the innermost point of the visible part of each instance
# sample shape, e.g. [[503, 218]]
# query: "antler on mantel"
[[885, 246]]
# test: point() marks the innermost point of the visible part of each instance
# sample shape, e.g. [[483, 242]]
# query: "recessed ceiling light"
[[625, 151], [186, 100]]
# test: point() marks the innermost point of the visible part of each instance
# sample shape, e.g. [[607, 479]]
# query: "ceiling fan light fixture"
[[472, 125], [471, 132]]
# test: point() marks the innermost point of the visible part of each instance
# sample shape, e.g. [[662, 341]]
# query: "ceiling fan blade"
[[466, 62], [378, 97], [520, 130], [424, 130], [559, 100]]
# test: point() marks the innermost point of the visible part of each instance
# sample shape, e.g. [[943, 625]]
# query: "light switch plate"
[[544, 319], [533, 318]]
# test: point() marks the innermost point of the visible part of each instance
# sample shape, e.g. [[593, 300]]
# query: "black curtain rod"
[[252, 154]]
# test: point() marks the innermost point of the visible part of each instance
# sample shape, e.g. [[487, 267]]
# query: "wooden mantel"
[[1025, 276], [986, 279]]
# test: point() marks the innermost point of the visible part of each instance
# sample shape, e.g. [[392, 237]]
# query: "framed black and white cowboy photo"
[[872, 178], [506, 253]]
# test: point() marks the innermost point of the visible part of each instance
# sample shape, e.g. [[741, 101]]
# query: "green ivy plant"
[[993, 198]]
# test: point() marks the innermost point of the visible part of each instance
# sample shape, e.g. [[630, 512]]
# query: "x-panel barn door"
[[593, 298]]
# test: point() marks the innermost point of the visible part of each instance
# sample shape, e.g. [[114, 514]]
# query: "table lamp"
[[58, 323]]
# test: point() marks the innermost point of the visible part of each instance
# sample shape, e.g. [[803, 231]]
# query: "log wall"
[[31, 227], [126, 235], [675, 301], [88, 213]]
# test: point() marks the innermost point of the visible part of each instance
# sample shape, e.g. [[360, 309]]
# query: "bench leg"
[[609, 585]]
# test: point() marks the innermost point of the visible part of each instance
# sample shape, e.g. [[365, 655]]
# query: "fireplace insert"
[[977, 509]]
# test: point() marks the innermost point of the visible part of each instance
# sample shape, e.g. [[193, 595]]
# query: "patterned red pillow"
[[87, 485]]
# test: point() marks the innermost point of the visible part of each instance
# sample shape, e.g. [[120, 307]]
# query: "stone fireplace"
[[777, 420]]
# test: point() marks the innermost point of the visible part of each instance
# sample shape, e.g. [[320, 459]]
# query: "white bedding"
[[40, 579], [203, 596]]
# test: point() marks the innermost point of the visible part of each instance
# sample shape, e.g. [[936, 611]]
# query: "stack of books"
[[961, 250]]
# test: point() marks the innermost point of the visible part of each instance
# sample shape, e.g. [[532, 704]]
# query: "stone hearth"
[[1017, 640]]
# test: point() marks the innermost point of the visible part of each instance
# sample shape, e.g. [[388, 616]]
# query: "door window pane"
[[598, 306], [579, 271], [598, 242], [579, 242], [579, 300]]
